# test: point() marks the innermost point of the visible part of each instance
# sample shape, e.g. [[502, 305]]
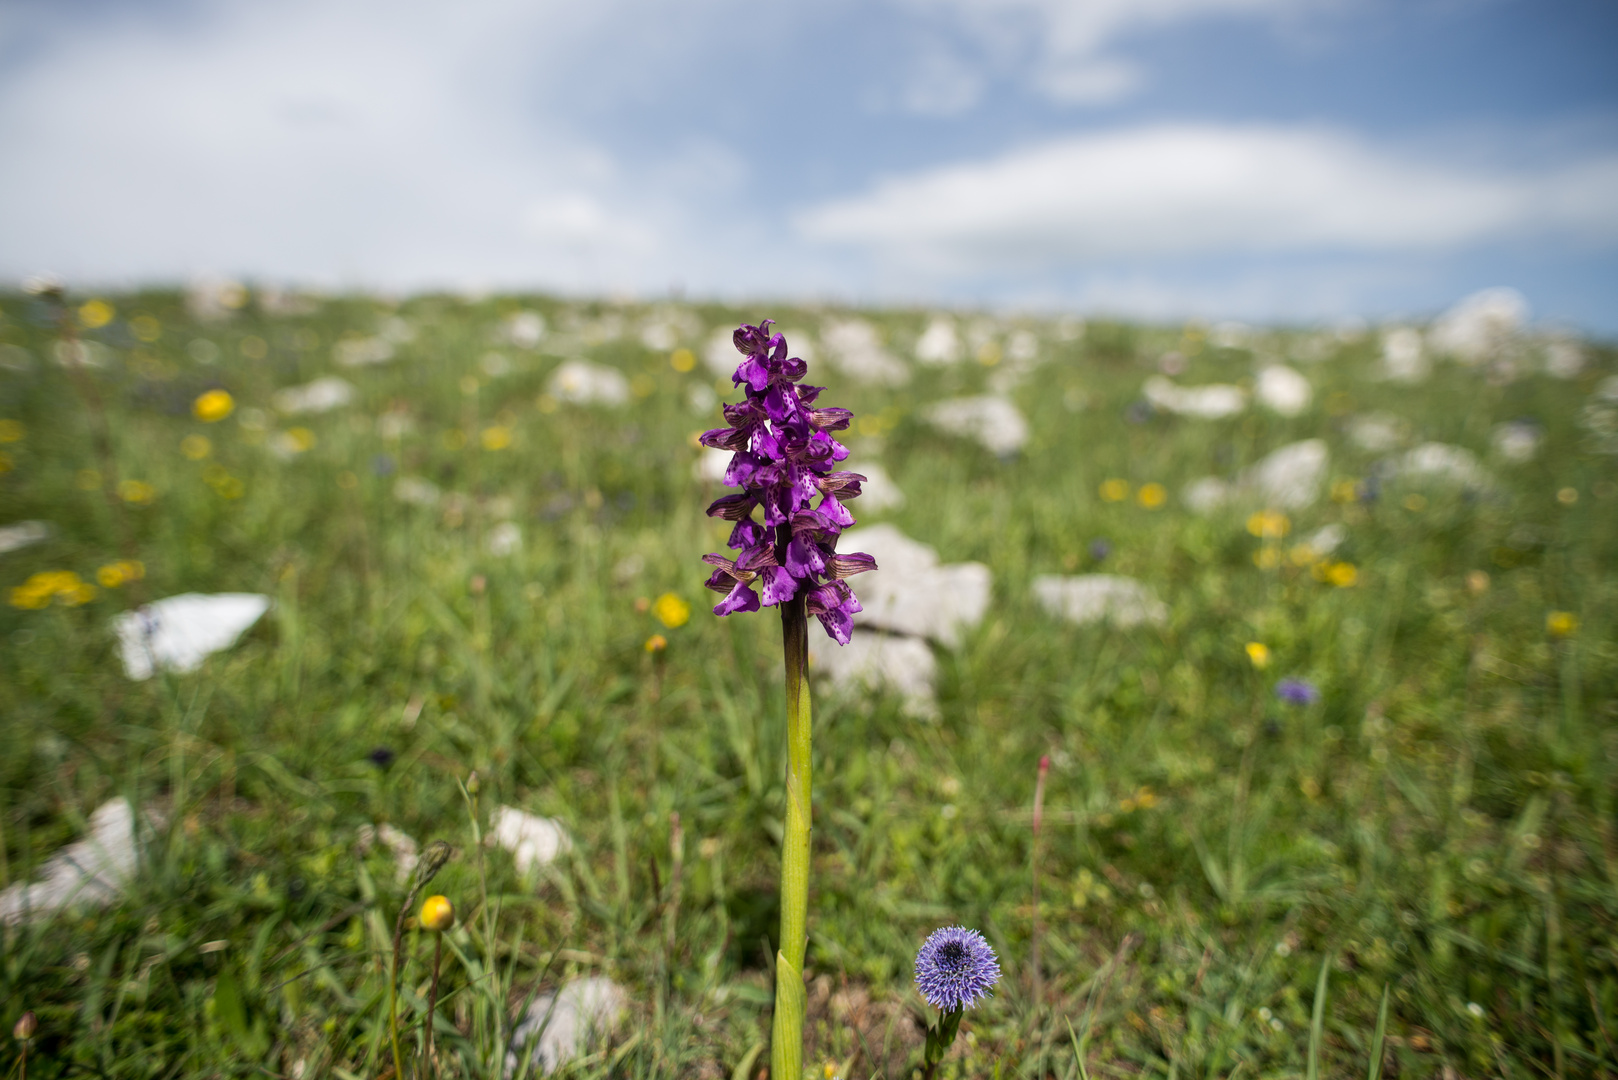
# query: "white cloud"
[[1060, 47], [391, 143], [1179, 190]]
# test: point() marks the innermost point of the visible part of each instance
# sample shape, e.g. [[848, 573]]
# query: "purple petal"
[[834, 511], [779, 585], [830, 419], [839, 625], [746, 533], [741, 598], [804, 558]]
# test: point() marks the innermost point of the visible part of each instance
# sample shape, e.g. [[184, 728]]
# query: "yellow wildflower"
[[656, 643], [683, 360], [94, 314], [213, 406], [146, 328], [671, 611], [1345, 491], [1266, 558], [12, 431], [1114, 490], [1259, 654], [496, 438], [1153, 496], [196, 447], [1269, 524], [437, 914], [1561, 624], [1342, 574], [138, 492], [63, 586]]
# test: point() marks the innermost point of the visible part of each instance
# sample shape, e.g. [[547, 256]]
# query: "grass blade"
[[1318, 1021], [1374, 1072]]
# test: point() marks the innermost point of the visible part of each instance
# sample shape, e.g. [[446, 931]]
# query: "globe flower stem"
[[940, 1037], [786, 1044]]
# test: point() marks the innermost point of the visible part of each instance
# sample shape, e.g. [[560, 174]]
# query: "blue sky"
[[1294, 160]]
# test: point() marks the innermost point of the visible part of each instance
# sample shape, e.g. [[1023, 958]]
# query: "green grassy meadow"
[[1439, 825]]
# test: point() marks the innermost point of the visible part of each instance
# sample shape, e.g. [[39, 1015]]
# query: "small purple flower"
[[1100, 548], [955, 969], [1297, 692], [784, 458]]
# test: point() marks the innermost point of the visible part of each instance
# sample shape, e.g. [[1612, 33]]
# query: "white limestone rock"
[[1518, 441], [524, 329], [1377, 432], [533, 841], [1212, 402], [322, 395], [939, 343], [556, 1028], [874, 661], [992, 420], [1481, 326], [1442, 463], [580, 382], [856, 350], [910, 592], [503, 539], [1403, 357], [23, 534], [1092, 598], [400, 844], [1283, 390], [86, 873], [363, 352], [416, 491], [180, 632], [712, 465], [878, 492], [1289, 478]]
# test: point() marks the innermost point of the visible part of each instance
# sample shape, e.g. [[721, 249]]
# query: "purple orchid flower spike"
[[784, 459]]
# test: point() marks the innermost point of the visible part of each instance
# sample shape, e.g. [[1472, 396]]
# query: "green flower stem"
[[786, 1046]]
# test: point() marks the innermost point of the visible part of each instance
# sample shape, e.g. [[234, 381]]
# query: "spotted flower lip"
[[955, 969], [784, 458]]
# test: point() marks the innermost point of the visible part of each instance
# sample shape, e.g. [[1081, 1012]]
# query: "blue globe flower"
[[955, 969]]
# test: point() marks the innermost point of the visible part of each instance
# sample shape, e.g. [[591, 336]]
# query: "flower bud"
[[437, 914], [472, 784], [27, 1024]]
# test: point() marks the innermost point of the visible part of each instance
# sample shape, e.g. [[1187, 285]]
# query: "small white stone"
[[910, 592], [1283, 390], [1377, 432], [362, 352], [992, 420], [1403, 358], [1327, 539], [878, 492], [712, 465], [1206, 495], [1480, 326], [1289, 478], [91, 872], [1211, 402], [180, 632], [876, 661], [583, 383], [23, 534], [1444, 463], [556, 1028], [1092, 598], [939, 344], [1564, 359], [322, 395], [1517, 441], [504, 539], [856, 350], [524, 329], [416, 491], [533, 841], [400, 844]]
